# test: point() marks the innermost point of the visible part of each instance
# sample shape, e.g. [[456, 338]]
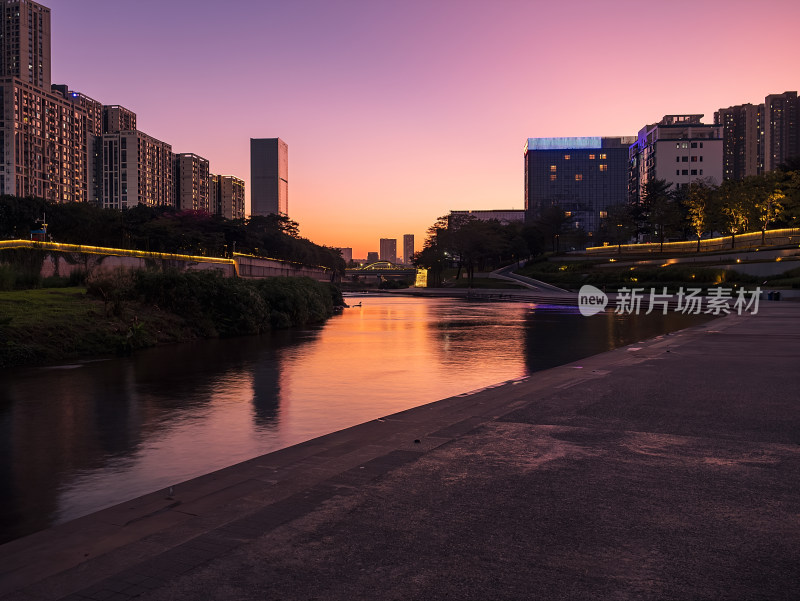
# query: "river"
[[80, 437]]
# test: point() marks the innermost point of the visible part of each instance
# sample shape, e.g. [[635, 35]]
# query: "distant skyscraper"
[[679, 149], [372, 257], [25, 42], [192, 183], [269, 176], [742, 140], [582, 176], [781, 129], [408, 248], [389, 250], [347, 254]]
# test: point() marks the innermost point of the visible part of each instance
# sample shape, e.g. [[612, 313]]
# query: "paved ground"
[[664, 470]]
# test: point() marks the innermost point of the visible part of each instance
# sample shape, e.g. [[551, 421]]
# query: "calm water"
[[77, 438]]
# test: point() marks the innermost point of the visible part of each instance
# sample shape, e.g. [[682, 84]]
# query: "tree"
[[768, 209], [699, 201], [660, 210]]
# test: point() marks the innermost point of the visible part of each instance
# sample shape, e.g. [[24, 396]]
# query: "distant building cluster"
[[585, 176], [63, 146]]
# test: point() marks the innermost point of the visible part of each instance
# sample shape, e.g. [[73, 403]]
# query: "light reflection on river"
[[77, 439]]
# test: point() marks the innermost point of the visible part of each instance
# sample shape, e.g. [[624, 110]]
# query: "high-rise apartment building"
[[227, 196], [347, 254], [44, 141], [781, 129], [678, 149], [408, 248], [137, 168], [388, 248], [742, 140], [25, 42], [372, 257], [583, 176], [191, 179], [117, 118], [269, 176]]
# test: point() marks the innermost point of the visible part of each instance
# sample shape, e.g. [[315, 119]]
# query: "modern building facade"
[[742, 140], [227, 196], [388, 249], [347, 254], [25, 42], [781, 129], [678, 149], [44, 141], [583, 176], [269, 176], [503, 216], [137, 169], [192, 183], [117, 118], [408, 249]]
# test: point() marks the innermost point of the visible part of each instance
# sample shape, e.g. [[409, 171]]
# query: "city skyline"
[[383, 130]]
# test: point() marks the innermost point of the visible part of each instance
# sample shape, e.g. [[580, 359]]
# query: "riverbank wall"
[[666, 469], [63, 259]]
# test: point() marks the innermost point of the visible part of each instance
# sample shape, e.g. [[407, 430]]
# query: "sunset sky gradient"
[[396, 112]]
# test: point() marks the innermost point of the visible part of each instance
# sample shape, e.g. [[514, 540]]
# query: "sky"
[[397, 112]]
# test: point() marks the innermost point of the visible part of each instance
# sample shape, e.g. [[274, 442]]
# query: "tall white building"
[[679, 149]]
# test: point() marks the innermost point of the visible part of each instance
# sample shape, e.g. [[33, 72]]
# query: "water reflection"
[[76, 440]]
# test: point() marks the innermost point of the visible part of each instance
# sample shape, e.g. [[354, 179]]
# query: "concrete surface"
[[667, 469]]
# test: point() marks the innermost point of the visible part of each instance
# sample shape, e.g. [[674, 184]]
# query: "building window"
[[684, 145], [677, 172], [701, 144], [701, 158], [684, 159], [677, 159], [553, 177], [694, 144], [552, 167], [603, 214], [591, 157], [578, 177], [603, 167], [567, 213], [685, 172], [603, 157], [694, 171], [701, 172], [566, 157], [694, 159]]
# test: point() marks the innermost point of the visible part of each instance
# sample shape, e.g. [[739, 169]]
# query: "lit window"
[[552, 167], [603, 167], [553, 177], [603, 157], [567, 213], [566, 157], [603, 214], [684, 145], [694, 159], [591, 157], [578, 177]]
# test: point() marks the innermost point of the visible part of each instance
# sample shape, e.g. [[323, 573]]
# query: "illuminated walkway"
[[667, 469]]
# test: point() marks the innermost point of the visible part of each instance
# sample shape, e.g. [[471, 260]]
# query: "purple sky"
[[397, 112]]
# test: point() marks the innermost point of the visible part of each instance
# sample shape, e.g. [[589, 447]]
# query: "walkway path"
[[668, 469]]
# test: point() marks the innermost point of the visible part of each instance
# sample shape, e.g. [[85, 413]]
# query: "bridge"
[[381, 270]]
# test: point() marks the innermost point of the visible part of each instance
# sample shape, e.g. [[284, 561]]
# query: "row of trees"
[[755, 203], [734, 207], [164, 229]]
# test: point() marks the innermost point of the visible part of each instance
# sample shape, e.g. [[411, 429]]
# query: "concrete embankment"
[[667, 469]]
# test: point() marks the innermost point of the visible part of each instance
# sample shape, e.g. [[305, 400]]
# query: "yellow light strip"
[[788, 232], [121, 252]]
